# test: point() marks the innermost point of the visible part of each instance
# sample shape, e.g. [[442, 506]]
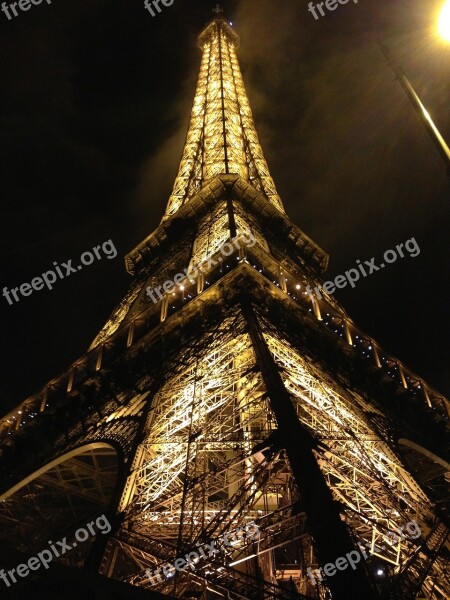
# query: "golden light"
[[444, 21]]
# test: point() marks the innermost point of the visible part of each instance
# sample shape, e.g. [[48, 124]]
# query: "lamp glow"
[[444, 21]]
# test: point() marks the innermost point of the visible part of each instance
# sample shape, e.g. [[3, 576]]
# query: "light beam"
[[444, 21]]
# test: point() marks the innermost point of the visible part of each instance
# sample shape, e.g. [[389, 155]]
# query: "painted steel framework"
[[237, 398]]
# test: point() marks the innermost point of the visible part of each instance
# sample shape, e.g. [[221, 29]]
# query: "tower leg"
[[330, 534]]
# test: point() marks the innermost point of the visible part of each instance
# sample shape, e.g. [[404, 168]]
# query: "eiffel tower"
[[222, 398]]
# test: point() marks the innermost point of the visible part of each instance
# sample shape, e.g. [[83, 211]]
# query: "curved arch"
[[430, 470], [418, 448], [54, 463], [60, 497]]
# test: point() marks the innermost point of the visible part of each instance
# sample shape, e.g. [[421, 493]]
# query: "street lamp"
[[424, 115], [444, 21]]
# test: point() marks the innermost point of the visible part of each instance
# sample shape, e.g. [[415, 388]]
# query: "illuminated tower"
[[235, 398]]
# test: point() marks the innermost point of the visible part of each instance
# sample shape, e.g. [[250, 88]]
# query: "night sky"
[[95, 101]]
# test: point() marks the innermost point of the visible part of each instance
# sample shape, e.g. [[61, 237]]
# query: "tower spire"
[[221, 137]]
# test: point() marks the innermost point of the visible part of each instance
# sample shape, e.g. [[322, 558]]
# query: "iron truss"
[[173, 422]]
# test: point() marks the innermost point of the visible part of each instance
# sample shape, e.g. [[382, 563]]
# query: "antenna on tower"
[[218, 10]]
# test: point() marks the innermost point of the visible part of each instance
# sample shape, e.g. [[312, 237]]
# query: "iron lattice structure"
[[236, 398]]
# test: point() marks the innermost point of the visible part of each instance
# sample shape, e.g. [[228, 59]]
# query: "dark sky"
[[95, 100]]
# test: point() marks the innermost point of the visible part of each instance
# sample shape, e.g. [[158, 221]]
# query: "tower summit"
[[222, 136], [243, 438]]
